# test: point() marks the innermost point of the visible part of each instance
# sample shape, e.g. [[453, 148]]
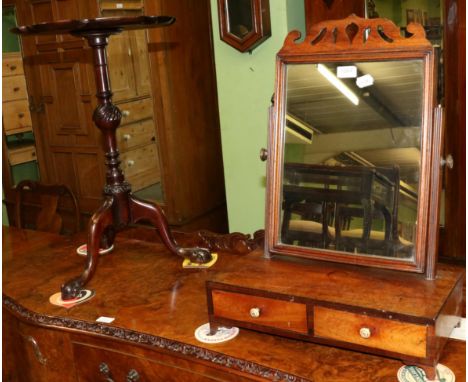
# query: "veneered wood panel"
[[394, 336], [56, 352], [283, 315]]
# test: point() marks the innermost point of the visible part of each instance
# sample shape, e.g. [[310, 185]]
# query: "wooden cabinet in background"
[[136, 138]]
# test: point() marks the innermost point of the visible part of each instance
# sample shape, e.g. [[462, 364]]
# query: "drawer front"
[[384, 334], [14, 88], [12, 64], [279, 314], [22, 155], [97, 364], [135, 134], [140, 160], [16, 117], [136, 111]]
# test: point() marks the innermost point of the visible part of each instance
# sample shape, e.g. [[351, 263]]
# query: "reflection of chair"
[[368, 240], [312, 229], [328, 199], [38, 205]]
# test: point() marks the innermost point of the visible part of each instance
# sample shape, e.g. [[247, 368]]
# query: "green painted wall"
[[245, 86]]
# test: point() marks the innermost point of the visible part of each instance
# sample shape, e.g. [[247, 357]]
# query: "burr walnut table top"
[[160, 300]]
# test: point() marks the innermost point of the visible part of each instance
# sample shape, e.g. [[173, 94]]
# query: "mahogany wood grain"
[[159, 306], [279, 314], [385, 334]]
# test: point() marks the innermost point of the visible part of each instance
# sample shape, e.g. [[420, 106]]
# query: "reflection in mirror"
[[240, 17], [352, 157]]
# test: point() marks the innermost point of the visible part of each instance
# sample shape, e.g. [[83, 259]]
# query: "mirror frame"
[[344, 40], [261, 26]]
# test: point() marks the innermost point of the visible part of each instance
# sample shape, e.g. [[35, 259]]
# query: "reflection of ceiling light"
[[324, 71], [364, 81]]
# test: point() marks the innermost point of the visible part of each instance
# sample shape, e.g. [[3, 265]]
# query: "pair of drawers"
[[312, 321]]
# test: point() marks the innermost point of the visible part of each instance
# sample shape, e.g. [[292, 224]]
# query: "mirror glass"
[[240, 17], [352, 138]]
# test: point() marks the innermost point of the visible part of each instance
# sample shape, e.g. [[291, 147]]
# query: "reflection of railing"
[[332, 196]]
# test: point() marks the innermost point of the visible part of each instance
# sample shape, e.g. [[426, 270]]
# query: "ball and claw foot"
[[196, 255], [71, 289]]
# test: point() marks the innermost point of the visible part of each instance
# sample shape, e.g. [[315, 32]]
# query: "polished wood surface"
[[384, 334], [276, 313], [156, 310], [77, 27]]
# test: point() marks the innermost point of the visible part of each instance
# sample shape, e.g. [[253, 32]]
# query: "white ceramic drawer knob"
[[126, 137], [255, 312], [125, 113], [130, 163], [365, 332]]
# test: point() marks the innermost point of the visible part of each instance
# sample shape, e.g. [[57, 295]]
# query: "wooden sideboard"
[[156, 311]]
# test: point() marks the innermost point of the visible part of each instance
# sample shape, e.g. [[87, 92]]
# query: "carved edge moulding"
[[148, 340], [259, 18], [358, 39]]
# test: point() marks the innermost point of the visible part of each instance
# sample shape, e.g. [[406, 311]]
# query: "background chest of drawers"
[[16, 115]]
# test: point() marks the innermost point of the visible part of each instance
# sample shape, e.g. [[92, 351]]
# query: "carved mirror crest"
[[354, 163], [244, 24]]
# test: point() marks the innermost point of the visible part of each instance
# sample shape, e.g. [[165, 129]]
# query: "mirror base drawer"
[[260, 311], [374, 332]]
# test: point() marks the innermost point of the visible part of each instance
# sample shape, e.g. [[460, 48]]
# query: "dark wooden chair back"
[[45, 207]]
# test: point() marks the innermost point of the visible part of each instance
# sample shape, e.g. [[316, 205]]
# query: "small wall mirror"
[[353, 142], [244, 24]]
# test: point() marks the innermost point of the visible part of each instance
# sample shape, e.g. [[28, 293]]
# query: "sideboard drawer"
[[379, 333], [279, 314]]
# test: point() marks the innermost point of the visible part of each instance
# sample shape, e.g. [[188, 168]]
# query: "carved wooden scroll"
[[354, 33]]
